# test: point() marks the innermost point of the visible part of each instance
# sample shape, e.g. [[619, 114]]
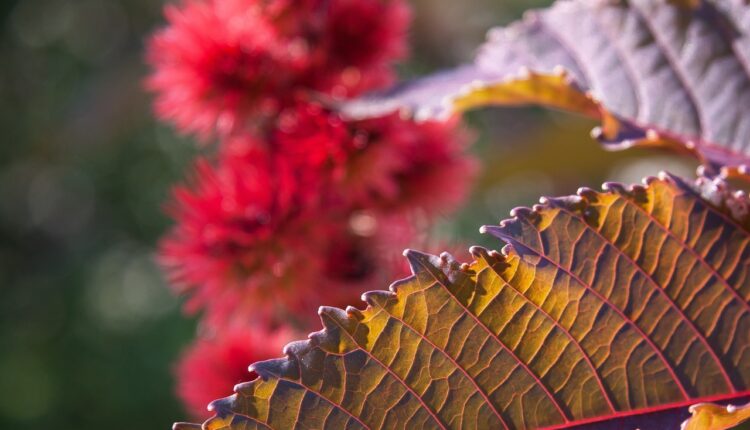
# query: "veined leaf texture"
[[656, 73], [628, 303]]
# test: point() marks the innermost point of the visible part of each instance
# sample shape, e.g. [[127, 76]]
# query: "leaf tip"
[[493, 230]]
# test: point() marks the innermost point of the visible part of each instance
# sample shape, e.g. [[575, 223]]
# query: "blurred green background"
[[88, 329]]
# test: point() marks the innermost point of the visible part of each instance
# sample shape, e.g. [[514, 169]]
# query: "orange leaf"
[[621, 306]]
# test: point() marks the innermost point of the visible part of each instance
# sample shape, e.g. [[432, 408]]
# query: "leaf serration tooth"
[[476, 251], [269, 368], [378, 298], [331, 318], [355, 313], [396, 285], [222, 407], [616, 188], [506, 250], [586, 193], [572, 202], [559, 70], [521, 212]]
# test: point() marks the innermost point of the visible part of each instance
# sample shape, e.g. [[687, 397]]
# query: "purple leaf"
[[654, 73]]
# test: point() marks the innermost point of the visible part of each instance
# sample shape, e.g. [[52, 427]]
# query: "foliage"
[[618, 308], [587, 313]]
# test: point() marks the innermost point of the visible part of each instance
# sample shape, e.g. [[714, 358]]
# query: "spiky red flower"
[[242, 225], [403, 165], [218, 63], [387, 164], [212, 366], [276, 213], [355, 42], [363, 33], [224, 65], [310, 137]]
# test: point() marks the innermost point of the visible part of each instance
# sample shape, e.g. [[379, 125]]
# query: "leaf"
[[655, 73], [627, 305], [715, 417]]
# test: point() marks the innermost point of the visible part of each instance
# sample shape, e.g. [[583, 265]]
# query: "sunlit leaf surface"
[[626, 305], [655, 73]]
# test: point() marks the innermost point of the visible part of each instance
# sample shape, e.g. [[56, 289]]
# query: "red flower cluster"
[[296, 207], [281, 226], [227, 65]]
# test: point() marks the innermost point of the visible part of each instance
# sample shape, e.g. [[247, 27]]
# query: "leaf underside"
[[628, 304], [655, 73]]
